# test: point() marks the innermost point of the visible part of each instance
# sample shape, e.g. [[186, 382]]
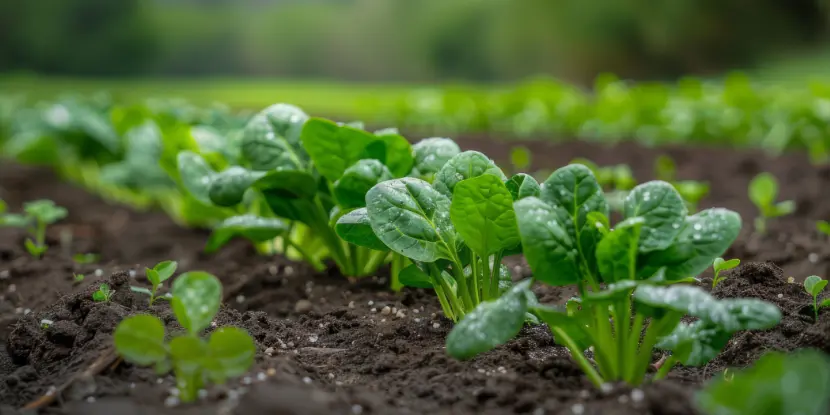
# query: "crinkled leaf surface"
[[663, 211], [412, 219], [251, 227], [523, 185], [271, 139], [228, 187], [333, 148], [431, 154], [399, 156], [196, 298], [482, 213], [550, 251], [464, 166], [490, 324], [617, 251], [695, 344], [139, 340], [351, 188], [196, 175], [356, 228], [230, 353]]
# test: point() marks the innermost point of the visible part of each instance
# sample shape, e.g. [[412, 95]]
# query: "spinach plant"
[[455, 230], [227, 353], [103, 295], [87, 258], [720, 265], [616, 181], [157, 276], [776, 384], [814, 285], [692, 191], [763, 191], [630, 300], [36, 216]]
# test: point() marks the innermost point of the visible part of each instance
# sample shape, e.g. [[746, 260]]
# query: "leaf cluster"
[[36, 217]]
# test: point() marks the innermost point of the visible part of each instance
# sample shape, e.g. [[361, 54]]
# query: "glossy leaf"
[[814, 285], [196, 175], [350, 189], [464, 166], [490, 324], [617, 252], [356, 228], [663, 210], [139, 340], [571, 321], [230, 353], [412, 276], [288, 183], [196, 298], [482, 212], [412, 219], [399, 156], [166, 269], [334, 148], [431, 154], [763, 190], [612, 293], [523, 185], [550, 251], [271, 139], [227, 188], [251, 227], [695, 344]]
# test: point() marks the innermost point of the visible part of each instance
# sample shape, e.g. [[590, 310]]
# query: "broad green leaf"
[[227, 188], [196, 298], [737, 314], [550, 251], [271, 139], [431, 154], [777, 383], [490, 324], [692, 191], [695, 344], [652, 300], [463, 166], [617, 251], [612, 293], [482, 213], [600, 221], [399, 156], [571, 321], [351, 188], [663, 210], [45, 211], [574, 192], [722, 265], [781, 209], [704, 236], [189, 354], [356, 228], [141, 290], [522, 185], [152, 276], [334, 148], [196, 175], [814, 285], [165, 269], [288, 183], [412, 219], [412, 276], [139, 340], [230, 353], [251, 227], [763, 189]]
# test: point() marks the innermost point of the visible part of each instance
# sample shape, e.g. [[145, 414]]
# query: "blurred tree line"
[[400, 40]]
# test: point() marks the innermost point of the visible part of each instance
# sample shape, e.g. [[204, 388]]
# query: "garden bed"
[[327, 345]]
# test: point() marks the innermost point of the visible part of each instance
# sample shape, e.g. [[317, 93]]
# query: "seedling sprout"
[[763, 191], [36, 216], [157, 276], [720, 265], [814, 285], [103, 295]]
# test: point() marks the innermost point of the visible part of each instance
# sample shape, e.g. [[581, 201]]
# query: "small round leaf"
[[140, 340], [196, 298], [230, 353]]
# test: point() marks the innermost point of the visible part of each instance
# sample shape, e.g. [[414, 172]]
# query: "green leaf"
[[777, 383], [692, 191], [763, 190], [572, 321], [334, 148], [399, 156], [825, 303], [139, 340], [271, 139], [522, 185], [288, 184], [653, 300], [720, 264], [823, 226], [3, 207], [412, 219], [15, 221], [664, 168], [490, 324], [141, 290], [695, 344], [153, 276], [230, 352], [482, 212], [87, 258], [165, 270], [463, 166], [350, 189], [613, 293], [520, 157], [196, 298], [251, 227], [46, 211], [412, 276], [782, 209], [663, 210], [549, 249], [431, 154], [189, 354], [814, 285], [196, 175], [617, 251], [227, 188], [356, 228], [600, 221], [705, 236]]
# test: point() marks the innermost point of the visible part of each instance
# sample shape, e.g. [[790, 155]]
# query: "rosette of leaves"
[[226, 353], [455, 230], [630, 301]]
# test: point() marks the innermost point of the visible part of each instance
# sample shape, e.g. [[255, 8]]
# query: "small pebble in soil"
[[539, 411], [90, 399], [132, 385], [307, 380], [812, 257], [271, 371], [383, 320], [780, 295], [436, 325], [416, 311], [18, 310], [159, 381], [481, 371], [637, 395], [357, 409], [240, 298], [386, 311], [171, 401], [578, 408], [261, 376], [51, 391], [99, 273], [132, 273], [303, 306], [313, 338], [174, 391], [374, 310], [400, 314], [273, 270], [27, 311], [289, 270], [394, 310], [246, 380], [4, 274], [203, 393], [434, 316], [331, 375], [623, 399], [371, 303], [269, 351], [417, 320], [213, 324], [351, 304], [584, 394], [338, 383], [606, 388], [12, 288]]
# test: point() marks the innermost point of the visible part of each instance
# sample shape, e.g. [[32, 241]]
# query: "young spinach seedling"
[[814, 285], [78, 278], [87, 258], [228, 352], [763, 191], [103, 295], [157, 275], [720, 265], [823, 226], [36, 216]]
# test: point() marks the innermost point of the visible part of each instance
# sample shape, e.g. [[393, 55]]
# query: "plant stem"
[[622, 322], [604, 349], [474, 268], [580, 359], [665, 368], [494, 280], [458, 272], [631, 349], [306, 256]]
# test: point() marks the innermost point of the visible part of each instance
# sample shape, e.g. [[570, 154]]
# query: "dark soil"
[[326, 346]]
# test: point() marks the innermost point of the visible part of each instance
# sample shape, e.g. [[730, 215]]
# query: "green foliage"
[[777, 383], [78, 278], [103, 294], [720, 265], [814, 285], [763, 191], [228, 352], [88, 258], [567, 240], [36, 216], [520, 158], [823, 226], [157, 276], [691, 191]]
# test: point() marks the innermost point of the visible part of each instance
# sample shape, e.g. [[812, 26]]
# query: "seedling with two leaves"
[[228, 352], [36, 216], [814, 285], [720, 265], [157, 276], [104, 294], [763, 191], [455, 230], [567, 240]]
